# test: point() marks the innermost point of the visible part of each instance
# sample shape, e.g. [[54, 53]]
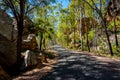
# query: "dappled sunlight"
[[55, 39], [104, 59], [82, 66], [34, 74]]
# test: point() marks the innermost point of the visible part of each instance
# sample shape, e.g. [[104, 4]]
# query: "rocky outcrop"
[[8, 55], [28, 35], [8, 28], [29, 42], [5, 25]]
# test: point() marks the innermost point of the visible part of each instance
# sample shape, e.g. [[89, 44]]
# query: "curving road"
[[81, 66]]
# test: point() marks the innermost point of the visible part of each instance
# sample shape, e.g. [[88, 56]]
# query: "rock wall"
[[8, 54], [5, 25]]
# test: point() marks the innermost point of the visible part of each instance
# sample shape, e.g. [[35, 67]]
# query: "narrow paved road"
[[80, 66]]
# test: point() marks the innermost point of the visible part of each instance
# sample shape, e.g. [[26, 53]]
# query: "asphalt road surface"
[[81, 66]]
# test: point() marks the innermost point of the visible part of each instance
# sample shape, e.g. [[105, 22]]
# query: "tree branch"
[[9, 3]]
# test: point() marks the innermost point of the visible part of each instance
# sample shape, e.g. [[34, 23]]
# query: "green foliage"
[[51, 21], [116, 50], [91, 35], [111, 25]]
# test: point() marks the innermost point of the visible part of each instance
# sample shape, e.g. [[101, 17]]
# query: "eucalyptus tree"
[[72, 18], [80, 16], [101, 13], [64, 24], [83, 13], [62, 30], [113, 9], [45, 32], [45, 20]]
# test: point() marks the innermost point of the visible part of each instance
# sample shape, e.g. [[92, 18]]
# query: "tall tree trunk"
[[74, 23], [95, 37], [115, 32], [41, 38], [115, 29], [87, 32], [67, 33], [67, 38], [44, 43], [103, 24], [19, 42], [74, 36], [95, 33], [80, 23], [20, 26], [87, 42], [107, 36]]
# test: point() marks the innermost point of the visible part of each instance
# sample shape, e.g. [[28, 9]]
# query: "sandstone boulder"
[[5, 25], [8, 54], [30, 59], [29, 42]]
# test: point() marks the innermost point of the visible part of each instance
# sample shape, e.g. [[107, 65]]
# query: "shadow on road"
[[80, 66]]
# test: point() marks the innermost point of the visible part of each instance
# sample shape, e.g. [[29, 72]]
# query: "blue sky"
[[65, 3]]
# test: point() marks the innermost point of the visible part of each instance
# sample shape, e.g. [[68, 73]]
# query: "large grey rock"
[[8, 54], [30, 58], [5, 25]]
